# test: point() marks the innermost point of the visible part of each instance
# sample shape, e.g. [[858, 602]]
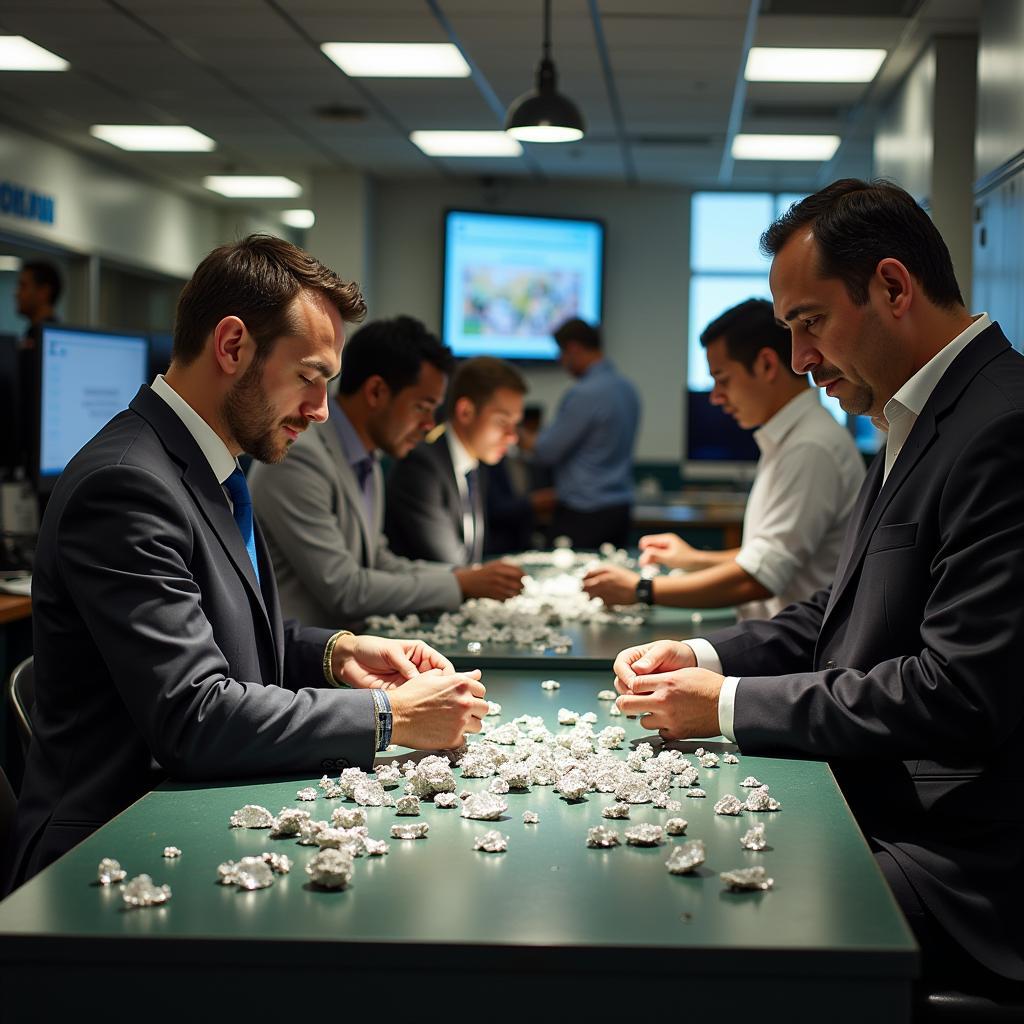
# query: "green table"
[[594, 645], [548, 926]]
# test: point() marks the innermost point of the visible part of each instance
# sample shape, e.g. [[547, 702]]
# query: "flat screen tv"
[[86, 378], [510, 280]]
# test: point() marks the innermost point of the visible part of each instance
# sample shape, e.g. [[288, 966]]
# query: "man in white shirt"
[[436, 496], [807, 481], [905, 674]]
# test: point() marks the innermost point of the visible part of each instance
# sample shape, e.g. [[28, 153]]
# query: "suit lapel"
[[349, 485], [207, 493], [443, 456], [964, 368]]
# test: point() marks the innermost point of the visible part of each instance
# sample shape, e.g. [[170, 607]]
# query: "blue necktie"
[[239, 491]]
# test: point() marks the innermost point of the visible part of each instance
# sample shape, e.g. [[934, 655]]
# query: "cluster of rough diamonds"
[[110, 872], [432, 775], [686, 857], [754, 838], [416, 830], [747, 879], [645, 834], [247, 874], [484, 806], [729, 805], [491, 842], [759, 800], [348, 817], [142, 891], [331, 869], [408, 806], [602, 837], [289, 822], [252, 816]]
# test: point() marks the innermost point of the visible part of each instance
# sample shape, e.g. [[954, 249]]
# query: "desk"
[[550, 925], [13, 609], [673, 514]]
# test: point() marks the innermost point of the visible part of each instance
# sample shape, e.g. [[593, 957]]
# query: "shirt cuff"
[[727, 707], [706, 655], [769, 562]]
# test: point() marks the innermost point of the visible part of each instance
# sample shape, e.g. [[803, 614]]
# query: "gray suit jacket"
[[331, 565], [906, 673], [424, 517], [157, 652]]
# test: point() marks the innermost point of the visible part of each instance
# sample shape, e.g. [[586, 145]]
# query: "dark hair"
[[256, 280], [47, 275], [857, 224], [394, 350], [578, 330], [477, 379], [747, 329]]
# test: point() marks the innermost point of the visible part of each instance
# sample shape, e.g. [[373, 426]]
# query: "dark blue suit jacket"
[[906, 673], [157, 652]]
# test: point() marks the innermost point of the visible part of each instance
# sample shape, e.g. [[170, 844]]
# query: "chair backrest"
[[21, 692], [8, 802]]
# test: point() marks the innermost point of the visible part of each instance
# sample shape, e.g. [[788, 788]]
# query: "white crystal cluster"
[[535, 618], [142, 891]]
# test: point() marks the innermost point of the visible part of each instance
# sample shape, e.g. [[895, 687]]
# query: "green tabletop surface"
[[549, 914], [594, 644]]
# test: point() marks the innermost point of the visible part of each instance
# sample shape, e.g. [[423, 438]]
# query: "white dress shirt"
[[806, 485], [900, 412], [463, 463], [222, 462]]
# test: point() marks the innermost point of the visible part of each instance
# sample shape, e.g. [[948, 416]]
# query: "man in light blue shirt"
[[589, 446]]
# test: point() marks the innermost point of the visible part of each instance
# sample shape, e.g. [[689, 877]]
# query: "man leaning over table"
[[803, 493], [160, 651], [905, 673]]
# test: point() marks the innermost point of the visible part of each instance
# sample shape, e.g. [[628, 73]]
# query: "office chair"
[[21, 693]]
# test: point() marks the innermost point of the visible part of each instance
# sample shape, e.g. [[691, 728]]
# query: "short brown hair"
[[477, 379], [587, 335], [256, 280]]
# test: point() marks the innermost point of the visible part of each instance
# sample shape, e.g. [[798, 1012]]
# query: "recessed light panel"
[[784, 147], [20, 54], [301, 219], [253, 186], [398, 60], [807, 64], [154, 138], [499, 144]]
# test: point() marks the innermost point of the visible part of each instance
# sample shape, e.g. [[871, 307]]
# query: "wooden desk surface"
[[14, 608]]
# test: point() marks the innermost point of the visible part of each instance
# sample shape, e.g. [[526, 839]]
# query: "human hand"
[[668, 549], [679, 705], [434, 710], [612, 583], [498, 579], [375, 661], [660, 656]]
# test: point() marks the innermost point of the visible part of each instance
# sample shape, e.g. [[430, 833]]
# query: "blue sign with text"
[[19, 201]]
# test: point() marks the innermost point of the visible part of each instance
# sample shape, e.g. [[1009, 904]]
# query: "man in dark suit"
[[436, 496], [159, 645], [904, 673]]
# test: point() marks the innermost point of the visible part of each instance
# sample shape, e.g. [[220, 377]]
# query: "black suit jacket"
[[424, 507], [157, 653], [906, 673]]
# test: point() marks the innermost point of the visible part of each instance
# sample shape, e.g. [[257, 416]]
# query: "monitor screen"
[[86, 378], [510, 280]]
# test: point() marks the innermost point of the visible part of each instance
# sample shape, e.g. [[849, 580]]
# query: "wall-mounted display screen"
[[510, 280]]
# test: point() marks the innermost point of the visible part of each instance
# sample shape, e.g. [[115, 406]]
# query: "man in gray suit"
[[160, 650], [905, 672], [323, 508]]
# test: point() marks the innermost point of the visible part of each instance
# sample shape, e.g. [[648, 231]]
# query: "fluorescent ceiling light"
[[784, 147], [9, 264], [301, 219], [20, 54], [807, 64], [398, 60], [154, 138], [466, 143], [546, 133], [253, 186]]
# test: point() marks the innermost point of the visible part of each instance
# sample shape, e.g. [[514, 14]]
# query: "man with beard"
[[904, 673], [323, 509], [160, 650]]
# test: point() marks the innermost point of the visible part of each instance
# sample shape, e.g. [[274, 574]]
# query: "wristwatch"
[[645, 591]]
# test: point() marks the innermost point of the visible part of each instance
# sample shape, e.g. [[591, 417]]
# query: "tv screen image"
[[510, 280], [87, 378]]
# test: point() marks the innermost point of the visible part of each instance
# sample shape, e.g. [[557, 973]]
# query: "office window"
[[726, 266]]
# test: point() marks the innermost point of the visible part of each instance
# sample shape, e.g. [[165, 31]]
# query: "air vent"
[[339, 113]]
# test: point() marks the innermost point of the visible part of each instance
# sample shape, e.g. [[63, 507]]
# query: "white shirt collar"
[[773, 431], [462, 461], [222, 462], [916, 392]]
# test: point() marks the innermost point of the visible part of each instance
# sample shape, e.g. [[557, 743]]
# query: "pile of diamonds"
[[532, 619]]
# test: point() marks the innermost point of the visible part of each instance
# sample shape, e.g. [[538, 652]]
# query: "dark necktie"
[[364, 471], [242, 502], [474, 542]]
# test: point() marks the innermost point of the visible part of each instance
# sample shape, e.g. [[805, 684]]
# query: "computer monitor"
[[11, 429], [86, 377]]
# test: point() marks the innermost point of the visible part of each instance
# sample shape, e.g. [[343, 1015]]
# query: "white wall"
[[646, 278], [102, 212]]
